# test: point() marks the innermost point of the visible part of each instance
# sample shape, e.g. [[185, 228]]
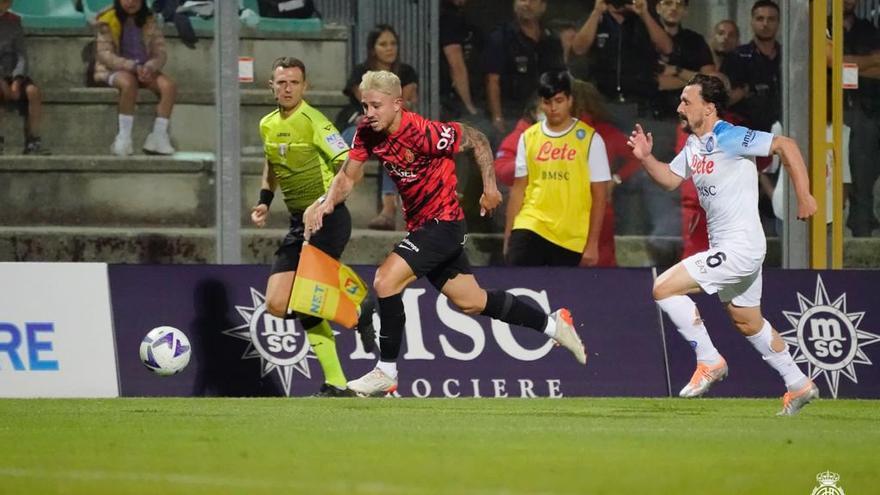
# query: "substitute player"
[[719, 158], [303, 151], [557, 202], [417, 153]]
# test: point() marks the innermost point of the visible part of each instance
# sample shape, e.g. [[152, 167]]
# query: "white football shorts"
[[731, 272]]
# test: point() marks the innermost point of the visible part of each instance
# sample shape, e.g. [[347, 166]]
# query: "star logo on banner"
[[280, 344], [826, 336]]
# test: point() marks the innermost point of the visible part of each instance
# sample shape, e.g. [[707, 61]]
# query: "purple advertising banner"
[[830, 320], [239, 350]]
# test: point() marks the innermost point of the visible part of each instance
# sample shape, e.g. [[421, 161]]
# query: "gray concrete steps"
[[138, 192], [179, 245], [56, 56], [368, 247], [83, 121]]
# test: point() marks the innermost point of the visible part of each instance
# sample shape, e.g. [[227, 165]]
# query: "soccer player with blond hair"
[[417, 153]]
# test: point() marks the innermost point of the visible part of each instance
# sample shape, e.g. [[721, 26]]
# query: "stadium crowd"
[[628, 61]]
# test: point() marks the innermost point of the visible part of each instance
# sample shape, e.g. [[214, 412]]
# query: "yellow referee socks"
[[324, 346]]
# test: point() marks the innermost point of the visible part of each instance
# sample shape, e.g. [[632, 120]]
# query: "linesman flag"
[[326, 288]]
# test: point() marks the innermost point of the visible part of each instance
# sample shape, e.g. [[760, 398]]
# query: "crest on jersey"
[[581, 134], [408, 155], [710, 144]]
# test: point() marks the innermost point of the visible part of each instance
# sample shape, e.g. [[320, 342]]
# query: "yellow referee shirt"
[[304, 151]]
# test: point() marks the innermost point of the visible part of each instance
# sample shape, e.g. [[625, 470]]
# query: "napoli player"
[[417, 153], [719, 157]]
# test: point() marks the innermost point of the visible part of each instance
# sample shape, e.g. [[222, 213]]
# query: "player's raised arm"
[[351, 172], [642, 144], [793, 161], [476, 142]]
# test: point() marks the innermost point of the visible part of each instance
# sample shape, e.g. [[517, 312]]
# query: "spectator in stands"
[[754, 71], [505, 157], [725, 39], [383, 54], [566, 30], [861, 45], [845, 171], [518, 52], [690, 55], [590, 107], [15, 85], [459, 42], [172, 13], [130, 54], [755, 74], [557, 202], [624, 42]]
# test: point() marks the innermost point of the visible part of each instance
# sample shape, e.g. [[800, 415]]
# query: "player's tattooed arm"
[[476, 142]]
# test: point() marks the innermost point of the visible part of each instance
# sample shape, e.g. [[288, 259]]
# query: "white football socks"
[[781, 361], [550, 329], [683, 313], [388, 368]]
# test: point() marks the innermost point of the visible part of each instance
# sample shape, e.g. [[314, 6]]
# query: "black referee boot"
[[328, 390]]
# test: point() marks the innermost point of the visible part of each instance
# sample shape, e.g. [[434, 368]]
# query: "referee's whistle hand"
[[259, 215]]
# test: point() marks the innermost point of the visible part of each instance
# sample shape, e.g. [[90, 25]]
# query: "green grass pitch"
[[426, 446]]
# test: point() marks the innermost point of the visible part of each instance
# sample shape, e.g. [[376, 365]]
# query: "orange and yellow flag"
[[326, 288]]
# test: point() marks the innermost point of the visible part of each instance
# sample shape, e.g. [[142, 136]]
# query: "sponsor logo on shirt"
[[447, 137], [706, 191], [701, 165], [400, 171], [336, 142], [748, 138], [550, 152], [555, 175]]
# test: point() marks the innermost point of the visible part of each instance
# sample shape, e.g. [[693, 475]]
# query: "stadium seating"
[[39, 14], [283, 25], [92, 7]]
